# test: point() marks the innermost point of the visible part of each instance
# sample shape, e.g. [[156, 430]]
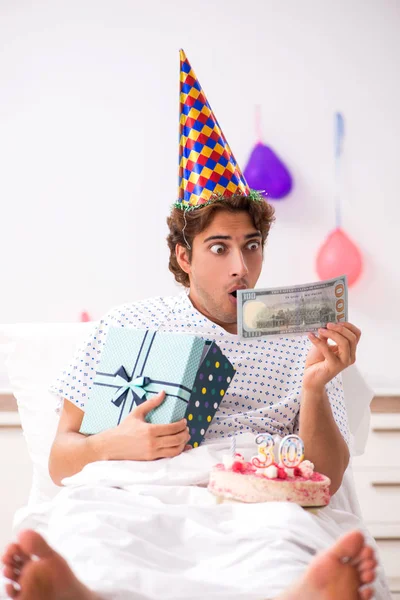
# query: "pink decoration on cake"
[[282, 473], [238, 467]]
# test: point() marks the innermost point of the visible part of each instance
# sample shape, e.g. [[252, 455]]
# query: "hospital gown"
[[265, 393]]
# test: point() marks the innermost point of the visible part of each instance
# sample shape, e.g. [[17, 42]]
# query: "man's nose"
[[238, 266]]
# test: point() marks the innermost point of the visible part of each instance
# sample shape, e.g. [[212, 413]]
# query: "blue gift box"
[[137, 364]]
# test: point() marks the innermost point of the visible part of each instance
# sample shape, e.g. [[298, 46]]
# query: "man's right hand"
[[135, 439]]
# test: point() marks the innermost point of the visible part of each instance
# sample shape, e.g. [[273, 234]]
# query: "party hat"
[[208, 170]]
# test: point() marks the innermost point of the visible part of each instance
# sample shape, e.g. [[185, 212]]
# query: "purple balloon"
[[265, 171]]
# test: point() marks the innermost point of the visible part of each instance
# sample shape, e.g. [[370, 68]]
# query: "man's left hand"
[[325, 361]]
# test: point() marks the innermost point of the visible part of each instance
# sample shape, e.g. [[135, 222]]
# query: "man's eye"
[[253, 245], [217, 248]]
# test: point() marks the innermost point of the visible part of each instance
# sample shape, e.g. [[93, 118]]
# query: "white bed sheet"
[[142, 531]]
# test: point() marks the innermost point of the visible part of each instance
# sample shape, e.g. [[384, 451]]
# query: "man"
[[226, 255], [217, 232], [218, 229]]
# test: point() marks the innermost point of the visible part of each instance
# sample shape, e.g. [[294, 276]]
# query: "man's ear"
[[182, 257]]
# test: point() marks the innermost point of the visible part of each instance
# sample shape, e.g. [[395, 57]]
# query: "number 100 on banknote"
[[292, 310]]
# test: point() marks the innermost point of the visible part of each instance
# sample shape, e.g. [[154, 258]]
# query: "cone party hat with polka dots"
[[208, 170]]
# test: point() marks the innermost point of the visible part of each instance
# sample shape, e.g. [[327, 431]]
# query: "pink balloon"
[[339, 256]]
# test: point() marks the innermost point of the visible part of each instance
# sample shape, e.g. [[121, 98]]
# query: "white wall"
[[89, 133]]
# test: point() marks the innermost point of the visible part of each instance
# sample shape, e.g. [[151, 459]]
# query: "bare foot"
[[339, 572], [39, 573]]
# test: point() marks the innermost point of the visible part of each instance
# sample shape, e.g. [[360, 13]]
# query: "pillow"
[[35, 354], [357, 396]]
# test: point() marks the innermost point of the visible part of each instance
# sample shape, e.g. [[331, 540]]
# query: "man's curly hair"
[[261, 213]]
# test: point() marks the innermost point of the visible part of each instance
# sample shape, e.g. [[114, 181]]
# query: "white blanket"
[[136, 530]]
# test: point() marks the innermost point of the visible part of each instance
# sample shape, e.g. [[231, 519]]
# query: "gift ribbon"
[[133, 389], [126, 388]]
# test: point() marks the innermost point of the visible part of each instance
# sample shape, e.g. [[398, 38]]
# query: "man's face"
[[226, 256]]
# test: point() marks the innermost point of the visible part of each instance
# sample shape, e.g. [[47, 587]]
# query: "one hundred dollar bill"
[[292, 310]]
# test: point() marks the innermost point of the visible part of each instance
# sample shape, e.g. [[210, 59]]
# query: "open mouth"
[[233, 293]]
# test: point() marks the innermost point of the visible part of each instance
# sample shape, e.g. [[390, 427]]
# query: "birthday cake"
[[292, 479]]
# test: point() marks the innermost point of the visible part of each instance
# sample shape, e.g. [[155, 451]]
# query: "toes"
[[33, 543], [14, 555], [367, 576], [11, 591], [367, 565], [349, 545], [366, 569], [366, 594], [367, 553], [7, 557], [11, 573]]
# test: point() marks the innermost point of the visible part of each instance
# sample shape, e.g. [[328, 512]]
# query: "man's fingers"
[[143, 409], [169, 428], [322, 345], [349, 333], [345, 353], [353, 328], [169, 441]]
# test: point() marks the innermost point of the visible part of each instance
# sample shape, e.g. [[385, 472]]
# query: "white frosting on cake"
[[271, 472], [307, 468], [289, 471], [228, 460]]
